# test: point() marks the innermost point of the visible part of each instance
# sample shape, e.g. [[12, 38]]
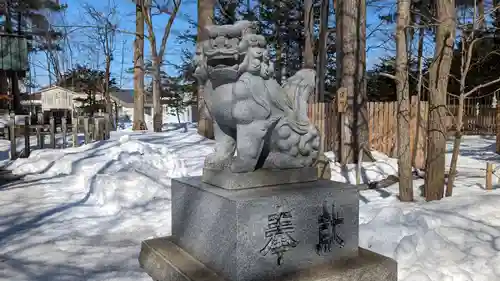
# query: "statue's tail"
[[298, 89]]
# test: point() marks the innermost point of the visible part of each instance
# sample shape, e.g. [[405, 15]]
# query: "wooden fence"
[[93, 128], [382, 128], [323, 115], [478, 120]]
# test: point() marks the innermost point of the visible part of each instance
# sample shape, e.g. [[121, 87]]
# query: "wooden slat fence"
[[478, 120], [323, 116], [383, 128]]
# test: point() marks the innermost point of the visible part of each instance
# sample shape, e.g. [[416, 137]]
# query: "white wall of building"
[[186, 116]]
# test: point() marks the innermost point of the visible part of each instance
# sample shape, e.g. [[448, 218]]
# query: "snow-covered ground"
[[81, 213]]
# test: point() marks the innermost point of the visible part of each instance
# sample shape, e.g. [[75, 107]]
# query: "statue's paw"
[[215, 161], [241, 166]]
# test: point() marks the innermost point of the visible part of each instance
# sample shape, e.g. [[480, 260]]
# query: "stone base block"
[[165, 261], [258, 233], [262, 177]]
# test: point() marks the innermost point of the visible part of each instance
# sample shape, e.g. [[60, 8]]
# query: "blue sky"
[[124, 42]]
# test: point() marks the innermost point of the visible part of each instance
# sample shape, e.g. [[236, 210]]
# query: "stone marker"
[[259, 212]]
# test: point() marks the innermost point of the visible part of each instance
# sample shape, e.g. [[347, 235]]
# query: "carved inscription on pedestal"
[[279, 234], [327, 232]]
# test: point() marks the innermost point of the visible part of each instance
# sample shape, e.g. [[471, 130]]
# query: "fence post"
[[86, 129], [12, 137], [52, 129], [489, 176], [27, 145], [64, 129], [74, 130]]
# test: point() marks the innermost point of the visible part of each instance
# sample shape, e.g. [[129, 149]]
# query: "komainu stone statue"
[[266, 124]]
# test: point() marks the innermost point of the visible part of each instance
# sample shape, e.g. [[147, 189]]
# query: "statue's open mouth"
[[218, 61]]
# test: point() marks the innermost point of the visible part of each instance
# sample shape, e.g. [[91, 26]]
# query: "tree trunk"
[[496, 17], [456, 146], [481, 22], [205, 17], [157, 109], [465, 59], [139, 123], [351, 66], [403, 93], [279, 65], [420, 63], [322, 55], [438, 84], [4, 83], [308, 34], [16, 93], [107, 95]]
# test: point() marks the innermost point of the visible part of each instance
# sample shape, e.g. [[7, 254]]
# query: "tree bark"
[[157, 108], [496, 17], [438, 84], [322, 55], [139, 123], [205, 18], [107, 96], [158, 60], [308, 34], [456, 147], [351, 66], [403, 94], [16, 93], [481, 21], [420, 63]]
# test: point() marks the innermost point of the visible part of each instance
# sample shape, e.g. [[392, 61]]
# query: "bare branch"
[[388, 76], [168, 28], [482, 86]]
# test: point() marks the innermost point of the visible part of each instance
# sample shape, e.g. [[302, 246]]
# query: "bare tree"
[[322, 49], [403, 96], [139, 123], [403, 93], [351, 76], [308, 34], [420, 65], [104, 34], [205, 18], [157, 55], [468, 40], [438, 84]]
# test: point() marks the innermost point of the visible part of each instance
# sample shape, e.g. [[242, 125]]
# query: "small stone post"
[[86, 129], [12, 136], [27, 145], [40, 137], [64, 129], [39, 118], [97, 129], [107, 126], [52, 124]]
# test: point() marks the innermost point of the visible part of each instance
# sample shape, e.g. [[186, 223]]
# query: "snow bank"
[[89, 207], [370, 171]]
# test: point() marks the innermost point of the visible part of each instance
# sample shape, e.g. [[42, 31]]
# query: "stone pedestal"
[[165, 261], [265, 233]]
